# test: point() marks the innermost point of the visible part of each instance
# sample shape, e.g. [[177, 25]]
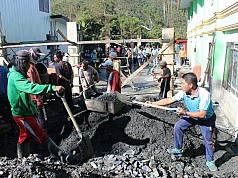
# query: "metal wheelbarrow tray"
[[104, 106]]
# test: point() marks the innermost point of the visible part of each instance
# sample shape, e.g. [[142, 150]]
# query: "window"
[[44, 6], [230, 76]]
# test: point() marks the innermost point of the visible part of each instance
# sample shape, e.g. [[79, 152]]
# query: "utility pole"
[[107, 31]]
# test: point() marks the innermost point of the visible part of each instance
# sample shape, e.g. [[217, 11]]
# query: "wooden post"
[[168, 33]]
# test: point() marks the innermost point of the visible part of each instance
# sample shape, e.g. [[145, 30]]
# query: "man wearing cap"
[[116, 62], [164, 79], [114, 81], [34, 77], [23, 109]]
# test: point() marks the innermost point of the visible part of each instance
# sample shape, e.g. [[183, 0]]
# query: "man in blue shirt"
[[199, 112], [5, 109]]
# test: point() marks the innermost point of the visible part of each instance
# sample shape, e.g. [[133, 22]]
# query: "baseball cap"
[[162, 63], [107, 63], [23, 55], [113, 55], [37, 51]]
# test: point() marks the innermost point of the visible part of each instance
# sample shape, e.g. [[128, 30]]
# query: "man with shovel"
[[88, 76], [164, 79], [199, 111], [23, 109]]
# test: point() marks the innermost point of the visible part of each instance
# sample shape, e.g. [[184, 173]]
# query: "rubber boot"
[[58, 153], [23, 150]]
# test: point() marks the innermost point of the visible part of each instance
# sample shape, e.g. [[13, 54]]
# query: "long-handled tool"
[[127, 100], [155, 106], [88, 88], [85, 143], [44, 113]]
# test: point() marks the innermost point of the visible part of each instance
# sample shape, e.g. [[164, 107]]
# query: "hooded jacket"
[[19, 90]]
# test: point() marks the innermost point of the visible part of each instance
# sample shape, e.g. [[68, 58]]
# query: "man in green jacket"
[[23, 109]]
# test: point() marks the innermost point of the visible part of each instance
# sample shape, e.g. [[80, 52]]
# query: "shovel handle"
[[71, 116], [60, 95], [44, 113], [155, 106]]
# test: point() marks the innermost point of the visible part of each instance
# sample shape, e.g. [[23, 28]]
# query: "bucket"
[[42, 70]]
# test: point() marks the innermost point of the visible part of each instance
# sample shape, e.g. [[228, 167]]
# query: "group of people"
[[89, 76], [24, 91]]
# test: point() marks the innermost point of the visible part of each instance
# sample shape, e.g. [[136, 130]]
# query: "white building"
[[30, 22]]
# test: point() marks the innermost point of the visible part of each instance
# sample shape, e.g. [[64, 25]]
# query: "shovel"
[[87, 89], [85, 144]]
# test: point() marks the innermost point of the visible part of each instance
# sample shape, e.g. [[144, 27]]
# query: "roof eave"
[[60, 18]]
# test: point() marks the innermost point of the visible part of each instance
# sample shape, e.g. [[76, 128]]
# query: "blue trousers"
[[206, 127]]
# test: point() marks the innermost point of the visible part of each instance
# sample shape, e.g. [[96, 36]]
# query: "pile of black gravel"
[[133, 144], [107, 97]]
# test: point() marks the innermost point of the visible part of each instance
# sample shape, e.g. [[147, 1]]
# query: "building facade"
[[30, 22], [212, 38]]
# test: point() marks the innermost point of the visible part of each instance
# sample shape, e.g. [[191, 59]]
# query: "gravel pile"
[[133, 144], [107, 97]]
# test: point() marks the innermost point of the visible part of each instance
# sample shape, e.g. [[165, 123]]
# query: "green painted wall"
[[195, 6], [191, 9], [189, 13], [219, 55]]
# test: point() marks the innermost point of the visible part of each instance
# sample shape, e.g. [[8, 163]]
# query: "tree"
[[123, 18]]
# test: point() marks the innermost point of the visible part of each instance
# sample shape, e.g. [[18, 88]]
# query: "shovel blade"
[[86, 147]]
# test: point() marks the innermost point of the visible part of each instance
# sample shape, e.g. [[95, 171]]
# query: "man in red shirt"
[[114, 81], [34, 77]]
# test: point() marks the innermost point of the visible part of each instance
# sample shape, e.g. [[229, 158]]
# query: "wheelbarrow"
[[110, 107], [85, 144]]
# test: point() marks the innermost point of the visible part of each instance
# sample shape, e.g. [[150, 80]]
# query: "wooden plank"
[[130, 83], [81, 43], [146, 63]]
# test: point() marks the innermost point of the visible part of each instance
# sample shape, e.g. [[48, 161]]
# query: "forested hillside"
[[122, 18]]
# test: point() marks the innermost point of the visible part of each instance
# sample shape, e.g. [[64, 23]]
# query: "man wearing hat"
[[116, 62], [23, 109], [34, 77], [164, 79], [114, 81]]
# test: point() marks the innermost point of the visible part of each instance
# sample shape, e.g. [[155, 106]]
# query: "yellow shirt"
[[182, 53]]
